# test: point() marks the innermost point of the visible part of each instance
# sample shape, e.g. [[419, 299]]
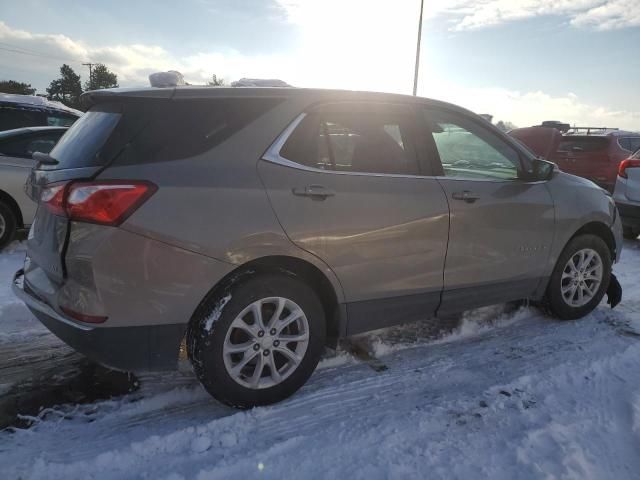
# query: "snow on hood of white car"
[[37, 102]]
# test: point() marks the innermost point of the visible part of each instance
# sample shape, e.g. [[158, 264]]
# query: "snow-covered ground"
[[503, 396]]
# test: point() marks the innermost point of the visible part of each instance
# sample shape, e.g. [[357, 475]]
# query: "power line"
[[33, 53]]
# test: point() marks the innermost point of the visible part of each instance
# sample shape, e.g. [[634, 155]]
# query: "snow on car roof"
[[36, 101]]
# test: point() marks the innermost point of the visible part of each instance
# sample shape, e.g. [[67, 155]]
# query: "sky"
[[523, 61]]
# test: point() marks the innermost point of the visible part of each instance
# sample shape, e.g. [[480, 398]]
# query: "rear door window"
[[370, 141], [583, 144]]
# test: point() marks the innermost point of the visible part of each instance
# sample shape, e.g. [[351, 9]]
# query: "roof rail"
[[590, 130]]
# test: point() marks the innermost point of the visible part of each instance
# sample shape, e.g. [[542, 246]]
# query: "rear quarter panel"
[[215, 204]]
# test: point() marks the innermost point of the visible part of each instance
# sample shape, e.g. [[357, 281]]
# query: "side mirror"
[[542, 169]]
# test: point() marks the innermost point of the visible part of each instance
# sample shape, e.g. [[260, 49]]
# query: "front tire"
[[258, 341], [8, 224], [580, 278]]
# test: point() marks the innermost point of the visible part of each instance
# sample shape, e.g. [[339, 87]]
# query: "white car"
[[16, 149], [627, 195]]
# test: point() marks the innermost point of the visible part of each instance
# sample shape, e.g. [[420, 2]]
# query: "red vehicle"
[[588, 152]]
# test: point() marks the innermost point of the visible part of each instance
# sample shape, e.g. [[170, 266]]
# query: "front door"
[[501, 226], [347, 187]]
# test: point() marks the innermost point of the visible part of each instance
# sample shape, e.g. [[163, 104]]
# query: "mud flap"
[[614, 292]]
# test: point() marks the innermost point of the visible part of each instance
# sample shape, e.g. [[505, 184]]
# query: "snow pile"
[[172, 78], [504, 395]]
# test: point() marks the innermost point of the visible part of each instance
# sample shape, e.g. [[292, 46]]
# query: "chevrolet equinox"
[[254, 226]]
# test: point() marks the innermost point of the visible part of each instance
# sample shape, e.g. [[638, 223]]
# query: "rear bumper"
[[630, 214], [137, 348]]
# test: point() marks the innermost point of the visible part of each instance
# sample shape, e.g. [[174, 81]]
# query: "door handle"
[[465, 195], [314, 191]]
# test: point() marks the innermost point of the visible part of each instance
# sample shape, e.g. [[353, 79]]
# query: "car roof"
[[26, 130], [314, 94]]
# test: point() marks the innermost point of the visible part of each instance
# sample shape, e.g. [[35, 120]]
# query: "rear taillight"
[[626, 164], [102, 202]]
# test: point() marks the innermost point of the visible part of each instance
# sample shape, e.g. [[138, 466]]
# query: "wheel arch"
[[297, 267], [13, 205], [598, 229]]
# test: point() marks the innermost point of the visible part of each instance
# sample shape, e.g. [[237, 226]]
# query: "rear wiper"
[[44, 158]]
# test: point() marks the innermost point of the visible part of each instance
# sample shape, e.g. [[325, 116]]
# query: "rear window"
[[583, 144], [82, 144], [139, 131]]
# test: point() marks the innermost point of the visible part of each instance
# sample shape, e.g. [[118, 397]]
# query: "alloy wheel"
[[266, 342], [581, 277]]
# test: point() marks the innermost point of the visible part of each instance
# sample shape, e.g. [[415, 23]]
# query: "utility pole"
[[90, 65], [415, 74]]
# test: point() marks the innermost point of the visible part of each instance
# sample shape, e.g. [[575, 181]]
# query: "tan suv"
[[258, 225]]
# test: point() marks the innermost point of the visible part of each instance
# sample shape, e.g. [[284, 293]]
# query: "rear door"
[[346, 185], [588, 157], [501, 226]]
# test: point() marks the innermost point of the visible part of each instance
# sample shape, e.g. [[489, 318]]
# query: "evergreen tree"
[[11, 86], [101, 77], [66, 89], [216, 82]]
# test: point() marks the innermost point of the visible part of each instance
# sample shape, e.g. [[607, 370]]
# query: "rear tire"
[[580, 278], [238, 332], [630, 233], [8, 224]]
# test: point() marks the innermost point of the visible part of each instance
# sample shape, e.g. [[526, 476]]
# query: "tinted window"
[[370, 142], [25, 145], [630, 143], [55, 120], [11, 118], [81, 145], [139, 131], [469, 150], [583, 144]]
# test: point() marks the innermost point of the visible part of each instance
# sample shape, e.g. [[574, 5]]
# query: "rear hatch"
[[86, 149]]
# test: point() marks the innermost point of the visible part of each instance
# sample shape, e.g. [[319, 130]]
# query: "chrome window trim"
[[272, 155]]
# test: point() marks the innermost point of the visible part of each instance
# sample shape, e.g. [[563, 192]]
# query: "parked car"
[[18, 111], [588, 152], [255, 226], [16, 150], [627, 195]]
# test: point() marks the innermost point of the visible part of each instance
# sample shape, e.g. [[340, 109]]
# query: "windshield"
[[81, 145]]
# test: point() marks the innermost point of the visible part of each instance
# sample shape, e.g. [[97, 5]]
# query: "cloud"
[[597, 14], [474, 14], [531, 108], [369, 54]]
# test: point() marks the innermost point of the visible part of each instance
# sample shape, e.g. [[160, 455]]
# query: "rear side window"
[[630, 143], [142, 131], [352, 141], [583, 144]]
